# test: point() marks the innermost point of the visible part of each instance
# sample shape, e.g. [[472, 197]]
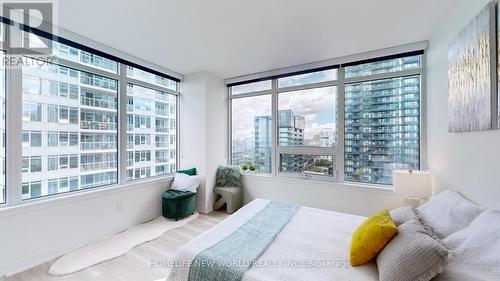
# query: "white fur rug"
[[113, 246]]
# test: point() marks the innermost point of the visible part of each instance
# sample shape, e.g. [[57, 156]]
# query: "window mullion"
[[122, 125], [229, 128], [14, 134], [141, 83], [274, 109], [423, 116], [339, 150]]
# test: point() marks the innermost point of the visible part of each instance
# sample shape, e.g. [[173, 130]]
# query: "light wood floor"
[[136, 264]]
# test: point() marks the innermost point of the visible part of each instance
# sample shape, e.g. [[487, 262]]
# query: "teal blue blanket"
[[229, 259]]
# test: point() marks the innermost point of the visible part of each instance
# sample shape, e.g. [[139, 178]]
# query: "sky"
[[317, 106]]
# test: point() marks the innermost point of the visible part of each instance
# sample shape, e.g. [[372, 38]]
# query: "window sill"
[[326, 183], [72, 197]]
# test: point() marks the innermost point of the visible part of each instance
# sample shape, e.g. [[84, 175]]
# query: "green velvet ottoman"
[[178, 204]]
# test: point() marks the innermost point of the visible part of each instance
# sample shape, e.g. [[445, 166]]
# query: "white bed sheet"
[[314, 245]]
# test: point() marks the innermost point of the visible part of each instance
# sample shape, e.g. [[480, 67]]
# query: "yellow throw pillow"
[[371, 237]]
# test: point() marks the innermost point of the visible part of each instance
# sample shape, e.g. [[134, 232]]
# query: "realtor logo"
[[27, 22]]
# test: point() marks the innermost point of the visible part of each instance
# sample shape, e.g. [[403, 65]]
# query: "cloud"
[[312, 101], [317, 106], [310, 117], [316, 128], [245, 110]]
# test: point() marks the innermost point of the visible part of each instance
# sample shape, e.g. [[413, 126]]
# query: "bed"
[[312, 244]]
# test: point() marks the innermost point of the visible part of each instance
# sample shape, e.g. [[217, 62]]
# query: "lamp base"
[[412, 202]]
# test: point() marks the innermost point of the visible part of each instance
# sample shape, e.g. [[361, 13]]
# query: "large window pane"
[[308, 78], [251, 87], [83, 57], [385, 66], [151, 115], [307, 164], [381, 128], [71, 129], [251, 132], [308, 117], [152, 78]]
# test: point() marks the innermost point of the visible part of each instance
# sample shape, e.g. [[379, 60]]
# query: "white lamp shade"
[[411, 183]]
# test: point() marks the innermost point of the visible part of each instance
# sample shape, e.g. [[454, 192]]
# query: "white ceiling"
[[237, 37]]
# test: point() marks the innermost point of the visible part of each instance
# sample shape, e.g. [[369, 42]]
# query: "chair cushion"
[[228, 176], [189, 172], [176, 194], [227, 189]]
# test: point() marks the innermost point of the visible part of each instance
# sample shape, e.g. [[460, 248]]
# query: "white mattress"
[[314, 245]]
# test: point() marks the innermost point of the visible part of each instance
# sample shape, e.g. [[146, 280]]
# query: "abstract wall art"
[[472, 75]]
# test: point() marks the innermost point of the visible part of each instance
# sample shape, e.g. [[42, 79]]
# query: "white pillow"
[[476, 250], [402, 215], [448, 213], [183, 182]]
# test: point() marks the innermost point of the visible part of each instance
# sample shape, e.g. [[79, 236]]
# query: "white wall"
[[30, 235], [203, 126], [357, 200], [217, 129], [192, 127], [467, 162], [192, 135]]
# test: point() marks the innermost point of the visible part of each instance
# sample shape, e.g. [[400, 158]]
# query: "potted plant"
[[252, 167], [244, 167]]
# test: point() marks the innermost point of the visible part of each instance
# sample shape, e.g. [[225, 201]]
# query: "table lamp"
[[414, 185]]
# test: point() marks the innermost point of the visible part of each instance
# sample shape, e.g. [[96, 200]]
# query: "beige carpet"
[[113, 246]]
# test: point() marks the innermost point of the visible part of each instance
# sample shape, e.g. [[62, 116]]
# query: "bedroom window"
[[69, 114], [252, 132], [148, 98], [72, 121], [352, 122], [307, 129]]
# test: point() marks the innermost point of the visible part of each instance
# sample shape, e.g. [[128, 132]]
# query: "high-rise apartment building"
[[291, 132], [151, 132], [263, 143], [382, 122], [70, 124], [290, 128]]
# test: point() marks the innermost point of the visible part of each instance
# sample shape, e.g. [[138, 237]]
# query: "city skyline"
[[382, 125], [317, 106]]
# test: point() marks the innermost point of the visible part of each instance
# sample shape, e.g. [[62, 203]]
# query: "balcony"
[[97, 145], [95, 125], [98, 103], [163, 159], [88, 167], [162, 129]]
